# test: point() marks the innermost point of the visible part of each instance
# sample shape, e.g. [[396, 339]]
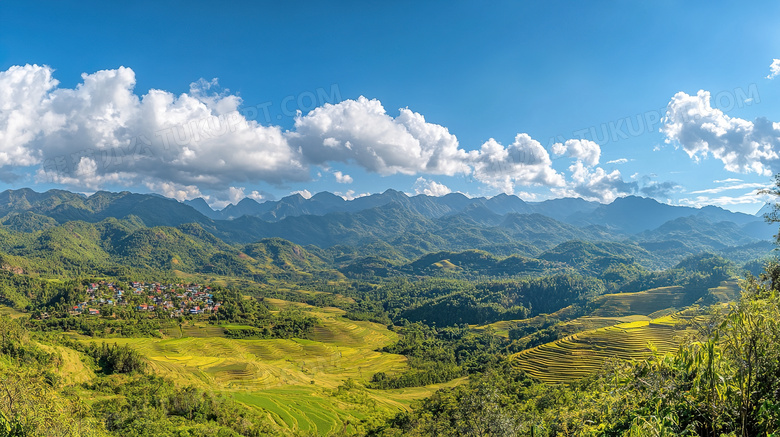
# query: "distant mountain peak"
[[247, 201], [636, 199], [197, 201], [326, 195], [394, 194]]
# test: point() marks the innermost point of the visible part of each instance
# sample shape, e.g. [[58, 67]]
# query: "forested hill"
[[133, 315], [394, 226], [630, 214]]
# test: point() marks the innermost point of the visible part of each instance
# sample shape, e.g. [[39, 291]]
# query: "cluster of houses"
[[174, 299]]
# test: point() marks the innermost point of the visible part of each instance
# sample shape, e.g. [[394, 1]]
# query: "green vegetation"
[[112, 359], [582, 354], [720, 382], [437, 356], [408, 317]]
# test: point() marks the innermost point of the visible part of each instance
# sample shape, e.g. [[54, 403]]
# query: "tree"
[[774, 215]]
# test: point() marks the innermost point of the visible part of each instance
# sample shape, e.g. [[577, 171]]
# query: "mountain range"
[[393, 225], [628, 214]]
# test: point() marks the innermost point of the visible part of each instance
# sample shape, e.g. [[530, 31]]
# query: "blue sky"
[[543, 99]]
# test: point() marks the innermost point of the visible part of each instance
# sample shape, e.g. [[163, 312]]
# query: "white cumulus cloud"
[[342, 178], [306, 194], [258, 196], [582, 150], [102, 129], [524, 162], [743, 146], [175, 191], [86, 175], [430, 188], [24, 90], [198, 144], [351, 195], [774, 69], [361, 132], [597, 184]]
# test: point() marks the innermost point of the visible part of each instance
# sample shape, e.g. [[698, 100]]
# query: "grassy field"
[[292, 380]]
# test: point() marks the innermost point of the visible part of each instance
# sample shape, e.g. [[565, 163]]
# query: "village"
[[173, 299]]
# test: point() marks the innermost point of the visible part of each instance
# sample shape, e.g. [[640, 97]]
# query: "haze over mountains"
[[631, 214]]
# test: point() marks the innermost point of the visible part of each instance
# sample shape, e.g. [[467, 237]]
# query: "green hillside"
[[130, 313], [583, 354], [112, 246]]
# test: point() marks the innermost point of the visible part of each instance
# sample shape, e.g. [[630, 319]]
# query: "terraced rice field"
[[643, 302], [310, 409], [198, 330], [579, 324], [291, 380], [587, 323], [581, 354], [654, 301], [72, 369], [7, 311], [727, 291], [229, 364], [299, 408]]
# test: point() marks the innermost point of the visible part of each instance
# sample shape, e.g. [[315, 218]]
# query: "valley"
[[329, 317]]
